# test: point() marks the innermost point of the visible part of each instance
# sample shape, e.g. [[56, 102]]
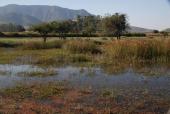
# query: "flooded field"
[[84, 57], [85, 76], [144, 91], [96, 78]]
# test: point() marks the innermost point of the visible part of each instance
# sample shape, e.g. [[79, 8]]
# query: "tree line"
[[112, 25], [11, 28]]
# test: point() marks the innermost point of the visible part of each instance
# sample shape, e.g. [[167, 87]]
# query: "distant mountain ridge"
[[32, 14], [18, 19], [134, 29], [167, 30], [27, 15]]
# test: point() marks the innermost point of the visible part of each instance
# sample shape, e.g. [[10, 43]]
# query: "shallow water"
[[95, 78]]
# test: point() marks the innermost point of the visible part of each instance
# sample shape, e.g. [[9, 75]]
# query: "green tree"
[[1, 34], [61, 28], [43, 29], [79, 24], [155, 31], [89, 24], [115, 25], [20, 28]]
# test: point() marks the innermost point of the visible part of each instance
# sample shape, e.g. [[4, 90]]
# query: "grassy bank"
[[88, 51]]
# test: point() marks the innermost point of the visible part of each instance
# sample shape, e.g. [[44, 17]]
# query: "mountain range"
[[33, 14], [27, 15], [167, 30], [134, 29]]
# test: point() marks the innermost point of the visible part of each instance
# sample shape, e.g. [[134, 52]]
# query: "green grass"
[[94, 51], [40, 45]]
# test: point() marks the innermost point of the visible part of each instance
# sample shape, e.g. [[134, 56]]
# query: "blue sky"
[[143, 13]]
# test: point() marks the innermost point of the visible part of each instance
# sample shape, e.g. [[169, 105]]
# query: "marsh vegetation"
[[70, 76]]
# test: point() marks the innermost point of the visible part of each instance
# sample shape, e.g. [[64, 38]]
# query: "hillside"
[[134, 29], [31, 14], [167, 30], [18, 19]]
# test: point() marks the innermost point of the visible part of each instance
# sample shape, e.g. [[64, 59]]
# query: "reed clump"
[[148, 49], [40, 45], [82, 46]]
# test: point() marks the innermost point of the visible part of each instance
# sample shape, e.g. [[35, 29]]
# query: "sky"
[[153, 14]]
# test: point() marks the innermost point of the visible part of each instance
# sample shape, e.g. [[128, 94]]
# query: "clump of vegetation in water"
[[36, 91], [4, 73], [48, 72]]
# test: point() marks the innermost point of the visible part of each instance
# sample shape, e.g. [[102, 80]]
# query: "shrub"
[[135, 35], [9, 44], [1, 34], [12, 34]]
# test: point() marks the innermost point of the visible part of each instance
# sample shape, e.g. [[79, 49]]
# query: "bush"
[[1, 34], [9, 44], [12, 34], [135, 35]]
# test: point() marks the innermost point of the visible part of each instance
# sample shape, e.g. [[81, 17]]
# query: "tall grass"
[[125, 51], [40, 45], [82, 46], [148, 49]]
